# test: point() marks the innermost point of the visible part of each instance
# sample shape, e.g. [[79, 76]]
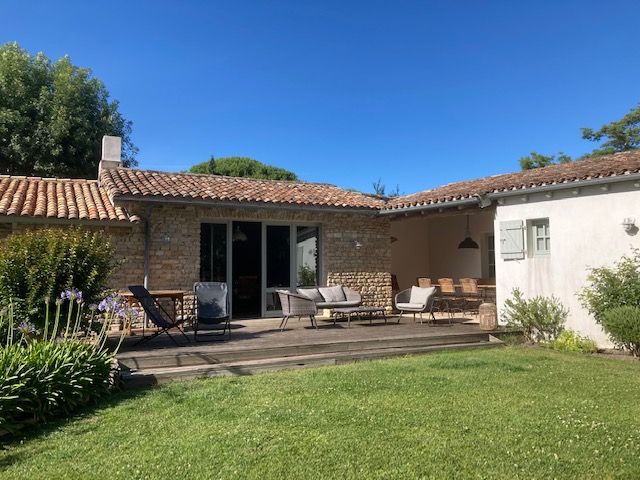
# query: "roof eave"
[[477, 199], [236, 204]]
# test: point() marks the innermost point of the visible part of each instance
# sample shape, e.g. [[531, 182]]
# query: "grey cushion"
[[332, 294], [409, 306], [421, 295], [311, 293], [344, 304]]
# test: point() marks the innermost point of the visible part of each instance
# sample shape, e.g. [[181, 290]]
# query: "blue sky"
[[416, 93]]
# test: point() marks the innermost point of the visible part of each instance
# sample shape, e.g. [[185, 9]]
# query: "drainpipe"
[[147, 242]]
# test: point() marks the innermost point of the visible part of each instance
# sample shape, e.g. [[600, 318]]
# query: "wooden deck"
[[258, 345]]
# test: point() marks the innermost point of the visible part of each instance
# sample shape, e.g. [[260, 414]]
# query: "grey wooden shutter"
[[512, 240]]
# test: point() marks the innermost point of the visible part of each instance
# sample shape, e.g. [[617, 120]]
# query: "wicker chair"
[[448, 300], [423, 282], [416, 300], [296, 305], [470, 294]]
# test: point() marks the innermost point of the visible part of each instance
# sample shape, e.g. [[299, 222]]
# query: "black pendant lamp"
[[468, 242]]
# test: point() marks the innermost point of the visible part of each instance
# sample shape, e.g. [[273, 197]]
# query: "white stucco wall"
[[585, 230]]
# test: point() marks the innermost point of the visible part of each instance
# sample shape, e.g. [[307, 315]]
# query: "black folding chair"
[[157, 314], [212, 308]]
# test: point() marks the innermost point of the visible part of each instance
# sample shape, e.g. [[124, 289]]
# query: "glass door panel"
[[213, 252], [307, 256], [278, 265]]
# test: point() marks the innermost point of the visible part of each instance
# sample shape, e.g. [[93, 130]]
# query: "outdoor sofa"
[[337, 296]]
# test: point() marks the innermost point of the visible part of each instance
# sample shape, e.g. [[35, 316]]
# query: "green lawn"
[[501, 413]]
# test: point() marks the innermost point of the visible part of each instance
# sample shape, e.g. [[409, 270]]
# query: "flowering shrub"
[[53, 370], [36, 265], [540, 318], [570, 341]]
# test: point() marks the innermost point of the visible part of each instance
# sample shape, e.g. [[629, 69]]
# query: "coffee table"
[[348, 311]]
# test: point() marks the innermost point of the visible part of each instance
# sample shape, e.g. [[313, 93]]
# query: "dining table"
[[175, 295]]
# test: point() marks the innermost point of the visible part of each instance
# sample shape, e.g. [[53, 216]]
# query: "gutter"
[[486, 200]]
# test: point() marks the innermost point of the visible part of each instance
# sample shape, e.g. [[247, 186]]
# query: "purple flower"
[[114, 304], [27, 329], [71, 294]]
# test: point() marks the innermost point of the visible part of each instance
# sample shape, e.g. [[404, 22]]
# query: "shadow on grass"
[[9, 455]]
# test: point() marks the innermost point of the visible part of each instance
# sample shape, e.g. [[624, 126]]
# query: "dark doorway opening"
[[246, 269]]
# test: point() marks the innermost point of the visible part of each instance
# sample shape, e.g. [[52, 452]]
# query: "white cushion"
[[332, 294], [421, 295], [409, 306]]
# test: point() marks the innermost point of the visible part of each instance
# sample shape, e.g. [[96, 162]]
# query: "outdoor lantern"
[[468, 242]]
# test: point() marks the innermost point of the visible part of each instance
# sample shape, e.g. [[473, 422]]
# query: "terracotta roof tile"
[[57, 198], [623, 163], [123, 182]]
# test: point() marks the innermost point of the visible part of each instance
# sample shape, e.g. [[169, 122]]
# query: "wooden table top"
[[159, 293]]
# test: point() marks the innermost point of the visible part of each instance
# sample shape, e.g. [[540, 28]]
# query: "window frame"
[[545, 237]]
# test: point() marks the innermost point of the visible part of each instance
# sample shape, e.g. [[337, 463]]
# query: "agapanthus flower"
[[71, 294], [113, 304], [27, 329]]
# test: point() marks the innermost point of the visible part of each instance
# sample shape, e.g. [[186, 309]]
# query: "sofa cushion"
[[409, 306], [311, 293], [345, 304], [332, 294], [420, 295]]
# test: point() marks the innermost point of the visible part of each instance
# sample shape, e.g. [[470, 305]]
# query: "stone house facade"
[[157, 222]]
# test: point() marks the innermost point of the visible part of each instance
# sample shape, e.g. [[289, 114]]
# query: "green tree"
[[537, 160], [619, 136], [53, 116], [380, 190], [242, 167]]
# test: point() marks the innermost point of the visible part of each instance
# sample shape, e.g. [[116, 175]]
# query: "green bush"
[[43, 375], [40, 264], [611, 287], [540, 318], [570, 341], [623, 326]]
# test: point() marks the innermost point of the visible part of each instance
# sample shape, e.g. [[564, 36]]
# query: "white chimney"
[[111, 153]]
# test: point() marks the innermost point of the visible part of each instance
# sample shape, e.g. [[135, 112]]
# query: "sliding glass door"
[[257, 259]]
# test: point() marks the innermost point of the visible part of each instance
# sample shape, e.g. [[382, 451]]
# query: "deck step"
[[153, 376], [219, 353]]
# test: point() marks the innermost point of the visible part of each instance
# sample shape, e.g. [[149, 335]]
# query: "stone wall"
[[174, 254], [175, 246]]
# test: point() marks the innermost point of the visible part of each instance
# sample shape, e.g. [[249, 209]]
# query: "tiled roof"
[[604, 166], [86, 200], [57, 198], [123, 182]]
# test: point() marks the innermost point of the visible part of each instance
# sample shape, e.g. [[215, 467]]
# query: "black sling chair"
[[156, 313], [212, 309]]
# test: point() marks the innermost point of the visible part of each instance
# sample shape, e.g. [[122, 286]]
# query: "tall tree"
[[53, 116], [619, 136], [242, 167], [537, 160], [380, 189]]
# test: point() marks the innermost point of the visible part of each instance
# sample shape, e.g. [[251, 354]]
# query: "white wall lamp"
[[629, 225], [166, 238], [357, 244]]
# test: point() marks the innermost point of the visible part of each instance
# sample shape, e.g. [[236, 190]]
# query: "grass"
[[503, 413]]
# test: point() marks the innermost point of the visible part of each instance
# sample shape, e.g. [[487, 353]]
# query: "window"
[[540, 237]]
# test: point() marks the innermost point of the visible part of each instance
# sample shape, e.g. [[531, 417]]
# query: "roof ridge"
[[49, 179], [215, 175]]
